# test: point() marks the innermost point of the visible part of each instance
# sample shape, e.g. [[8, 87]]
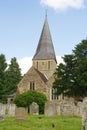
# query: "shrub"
[[25, 99]]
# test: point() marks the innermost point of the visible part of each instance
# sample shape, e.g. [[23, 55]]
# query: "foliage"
[[3, 66], [70, 76], [25, 99], [13, 76], [10, 76], [21, 100], [40, 122]]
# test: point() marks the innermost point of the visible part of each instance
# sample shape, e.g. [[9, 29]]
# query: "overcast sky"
[[21, 23]]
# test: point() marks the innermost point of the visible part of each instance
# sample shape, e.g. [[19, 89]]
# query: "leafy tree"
[[3, 66], [70, 76], [25, 99]]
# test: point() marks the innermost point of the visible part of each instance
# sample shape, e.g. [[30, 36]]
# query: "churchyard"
[[41, 122], [57, 116]]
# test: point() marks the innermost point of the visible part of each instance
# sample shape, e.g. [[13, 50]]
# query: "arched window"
[[32, 85], [54, 95]]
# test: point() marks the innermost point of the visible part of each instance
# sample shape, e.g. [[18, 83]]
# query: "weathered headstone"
[[67, 109], [85, 102], [50, 109], [7, 109], [78, 109], [84, 118], [1, 117], [84, 114], [34, 108], [58, 108], [20, 114], [12, 109], [2, 109]]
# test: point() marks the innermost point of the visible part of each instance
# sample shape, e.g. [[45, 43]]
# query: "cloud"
[[26, 62], [63, 4]]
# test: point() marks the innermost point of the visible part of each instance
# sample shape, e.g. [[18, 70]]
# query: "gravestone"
[[1, 117], [34, 108], [84, 114], [7, 109], [67, 109], [2, 113], [20, 114], [58, 108], [78, 109], [11, 109], [84, 119], [85, 102], [2, 109], [50, 109]]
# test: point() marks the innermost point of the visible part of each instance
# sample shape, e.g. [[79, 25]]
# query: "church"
[[40, 76]]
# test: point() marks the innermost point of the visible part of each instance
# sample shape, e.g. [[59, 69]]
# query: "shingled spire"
[[45, 49]]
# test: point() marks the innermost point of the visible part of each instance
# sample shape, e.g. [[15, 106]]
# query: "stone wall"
[[7, 109], [32, 75]]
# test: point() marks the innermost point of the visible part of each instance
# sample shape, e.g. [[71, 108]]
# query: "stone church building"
[[40, 76]]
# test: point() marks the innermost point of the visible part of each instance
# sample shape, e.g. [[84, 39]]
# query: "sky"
[[21, 23]]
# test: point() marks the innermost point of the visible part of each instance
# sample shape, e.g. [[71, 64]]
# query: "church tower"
[[40, 76], [44, 59]]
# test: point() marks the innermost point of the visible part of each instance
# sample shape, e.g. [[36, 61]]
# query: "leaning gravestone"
[[34, 108], [50, 109], [20, 114]]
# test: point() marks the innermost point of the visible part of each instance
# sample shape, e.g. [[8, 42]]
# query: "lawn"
[[41, 122]]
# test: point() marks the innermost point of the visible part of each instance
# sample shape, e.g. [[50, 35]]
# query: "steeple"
[[45, 49]]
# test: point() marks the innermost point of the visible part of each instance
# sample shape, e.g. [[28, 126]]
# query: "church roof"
[[43, 77], [45, 49]]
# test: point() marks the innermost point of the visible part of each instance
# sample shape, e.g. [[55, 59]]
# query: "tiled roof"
[[43, 77], [45, 49]]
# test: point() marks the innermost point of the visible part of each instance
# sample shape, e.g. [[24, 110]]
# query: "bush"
[[25, 100]]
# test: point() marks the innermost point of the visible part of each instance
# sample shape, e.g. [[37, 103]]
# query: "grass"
[[41, 122]]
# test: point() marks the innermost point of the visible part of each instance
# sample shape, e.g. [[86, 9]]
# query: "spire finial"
[[46, 13]]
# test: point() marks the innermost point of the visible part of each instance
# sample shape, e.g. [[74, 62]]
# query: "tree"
[[13, 76], [25, 99], [3, 66], [70, 76], [9, 77]]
